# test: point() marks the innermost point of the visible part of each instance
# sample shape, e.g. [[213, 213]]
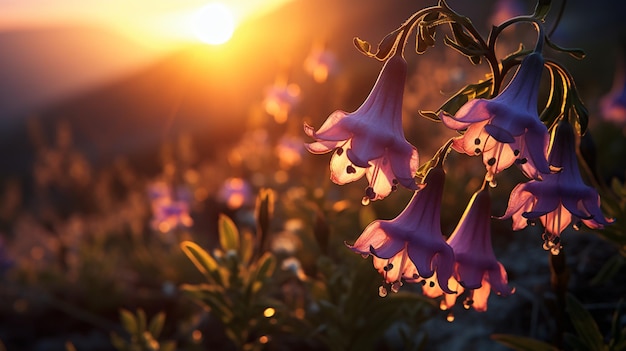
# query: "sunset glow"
[[214, 24]]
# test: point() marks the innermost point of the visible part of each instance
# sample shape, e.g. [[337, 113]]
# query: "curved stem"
[[498, 29], [443, 152], [491, 45], [558, 18], [490, 56], [410, 23]]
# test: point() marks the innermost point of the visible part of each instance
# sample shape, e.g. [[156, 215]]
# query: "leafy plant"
[[237, 279], [144, 335], [587, 337]]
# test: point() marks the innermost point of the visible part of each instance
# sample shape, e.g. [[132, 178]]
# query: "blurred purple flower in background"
[[169, 211], [235, 193], [280, 99], [613, 104], [320, 63]]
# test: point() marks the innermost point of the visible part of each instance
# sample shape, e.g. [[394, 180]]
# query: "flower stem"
[[559, 278]]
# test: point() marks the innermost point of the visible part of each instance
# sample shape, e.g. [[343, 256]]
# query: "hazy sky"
[[144, 19], [116, 36]]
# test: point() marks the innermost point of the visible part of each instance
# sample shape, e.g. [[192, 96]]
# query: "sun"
[[214, 24]]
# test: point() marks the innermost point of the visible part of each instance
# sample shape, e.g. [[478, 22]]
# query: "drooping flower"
[[370, 141], [411, 246], [476, 268], [559, 198], [506, 129]]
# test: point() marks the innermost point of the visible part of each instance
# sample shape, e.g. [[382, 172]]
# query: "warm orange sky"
[[154, 23]]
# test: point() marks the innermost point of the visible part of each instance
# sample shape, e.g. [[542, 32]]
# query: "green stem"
[[498, 71], [559, 279], [558, 18]]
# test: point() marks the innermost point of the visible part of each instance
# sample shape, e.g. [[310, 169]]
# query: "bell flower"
[[370, 141], [506, 129], [476, 268], [559, 198], [411, 246]]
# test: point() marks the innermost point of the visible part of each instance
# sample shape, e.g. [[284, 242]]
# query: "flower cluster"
[[505, 129]]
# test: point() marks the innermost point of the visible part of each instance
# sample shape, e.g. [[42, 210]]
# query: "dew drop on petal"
[[493, 183], [546, 246], [442, 305], [382, 291], [577, 225], [450, 317], [365, 201], [555, 250]]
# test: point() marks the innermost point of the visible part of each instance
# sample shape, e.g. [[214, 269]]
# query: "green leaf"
[[129, 322], [541, 9], [228, 232], [264, 212], [388, 45], [118, 342], [156, 324], [481, 89], [425, 167], [247, 248], [168, 346], [585, 326], [213, 297], [385, 48], [204, 262], [574, 52], [469, 51], [363, 46], [141, 320], [431, 115], [521, 343], [465, 43], [462, 37], [420, 44], [265, 267]]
